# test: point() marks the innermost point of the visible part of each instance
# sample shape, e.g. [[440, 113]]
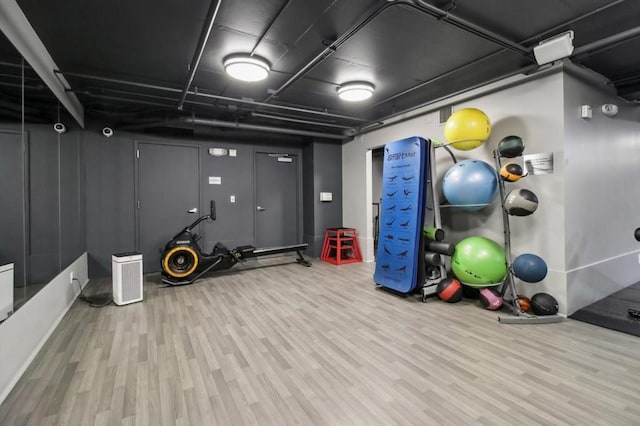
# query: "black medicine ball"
[[511, 146], [544, 304]]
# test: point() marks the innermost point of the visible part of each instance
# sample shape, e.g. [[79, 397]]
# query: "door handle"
[[260, 209], [193, 210]]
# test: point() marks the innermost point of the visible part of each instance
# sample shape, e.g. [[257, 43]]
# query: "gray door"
[[12, 205], [276, 200], [168, 188]]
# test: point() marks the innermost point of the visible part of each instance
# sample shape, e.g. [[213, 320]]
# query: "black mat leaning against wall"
[[613, 311]]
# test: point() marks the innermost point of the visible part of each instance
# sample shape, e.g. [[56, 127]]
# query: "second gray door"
[[276, 200]]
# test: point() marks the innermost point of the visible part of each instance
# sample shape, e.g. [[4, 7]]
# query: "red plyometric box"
[[341, 246]]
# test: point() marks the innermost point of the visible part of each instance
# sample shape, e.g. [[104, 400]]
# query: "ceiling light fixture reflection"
[[355, 91], [246, 67]]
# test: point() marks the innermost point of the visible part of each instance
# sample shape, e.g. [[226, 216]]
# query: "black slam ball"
[[544, 304]]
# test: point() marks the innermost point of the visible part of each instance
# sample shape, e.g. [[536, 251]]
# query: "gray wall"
[[322, 173], [111, 185], [602, 202], [308, 198], [110, 200]]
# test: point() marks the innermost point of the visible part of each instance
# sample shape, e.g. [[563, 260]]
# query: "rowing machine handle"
[[212, 215]]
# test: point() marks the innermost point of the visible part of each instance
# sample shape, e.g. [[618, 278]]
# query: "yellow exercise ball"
[[467, 128]]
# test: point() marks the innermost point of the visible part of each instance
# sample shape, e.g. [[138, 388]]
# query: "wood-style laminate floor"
[[289, 345]]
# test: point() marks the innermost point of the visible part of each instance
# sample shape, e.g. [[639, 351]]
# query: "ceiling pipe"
[[89, 92], [328, 50], [27, 117], [259, 128], [605, 43], [491, 55], [155, 123], [121, 99], [470, 27], [629, 78], [147, 124], [119, 81], [17, 28], [384, 122], [563, 25], [229, 124], [202, 43], [218, 97], [18, 108], [375, 11], [30, 87], [266, 31], [431, 81], [296, 120], [14, 65], [282, 107]]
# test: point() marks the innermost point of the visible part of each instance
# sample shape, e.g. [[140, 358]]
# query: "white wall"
[[532, 109], [23, 333], [602, 193]]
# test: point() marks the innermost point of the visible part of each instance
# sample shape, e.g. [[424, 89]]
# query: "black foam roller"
[[440, 247], [431, 258]]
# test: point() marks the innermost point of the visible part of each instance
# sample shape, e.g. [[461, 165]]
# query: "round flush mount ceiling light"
[[355, 91], [246, 67]]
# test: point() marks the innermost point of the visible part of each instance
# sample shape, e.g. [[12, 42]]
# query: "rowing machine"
[[183, 261]]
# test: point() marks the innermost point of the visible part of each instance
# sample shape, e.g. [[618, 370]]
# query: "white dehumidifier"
[[127, 277]]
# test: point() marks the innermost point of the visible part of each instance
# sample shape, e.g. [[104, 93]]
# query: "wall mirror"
[[42, 219]]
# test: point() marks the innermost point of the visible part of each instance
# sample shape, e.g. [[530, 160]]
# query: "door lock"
[[260, 209]]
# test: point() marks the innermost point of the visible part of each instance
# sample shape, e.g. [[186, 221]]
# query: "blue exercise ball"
[[470, 184], [529, 268]]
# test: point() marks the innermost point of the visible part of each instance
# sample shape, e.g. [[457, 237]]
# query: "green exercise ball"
[[479, 262]]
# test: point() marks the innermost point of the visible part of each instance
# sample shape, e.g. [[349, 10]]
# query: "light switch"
[[232, 199]]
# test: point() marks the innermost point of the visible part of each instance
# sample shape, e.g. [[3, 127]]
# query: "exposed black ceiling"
[[129, 62]]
